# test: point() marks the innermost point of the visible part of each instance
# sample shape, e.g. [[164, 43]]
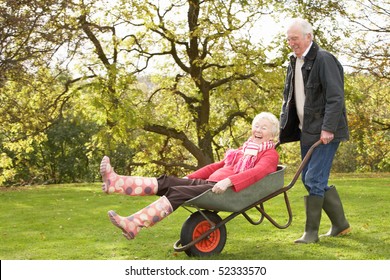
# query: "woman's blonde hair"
[[272, 119]]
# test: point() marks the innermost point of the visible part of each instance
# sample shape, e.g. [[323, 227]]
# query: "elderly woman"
[[240, 168]]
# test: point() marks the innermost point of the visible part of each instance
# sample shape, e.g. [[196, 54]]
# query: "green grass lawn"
[[69, 222]]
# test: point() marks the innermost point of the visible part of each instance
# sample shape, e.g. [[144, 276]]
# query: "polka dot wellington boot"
[[130, 185], [146, 217]]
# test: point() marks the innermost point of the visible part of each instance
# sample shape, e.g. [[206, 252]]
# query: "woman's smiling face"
[[262, 131]]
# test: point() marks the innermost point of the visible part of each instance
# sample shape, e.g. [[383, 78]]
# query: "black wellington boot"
[[335, 211], [313, 217]]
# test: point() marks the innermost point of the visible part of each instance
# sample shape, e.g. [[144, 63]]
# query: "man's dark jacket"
[[324, 108]]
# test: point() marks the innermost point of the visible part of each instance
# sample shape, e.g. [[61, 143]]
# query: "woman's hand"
[[221, 186]]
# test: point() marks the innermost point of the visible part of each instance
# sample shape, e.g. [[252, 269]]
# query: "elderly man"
[[313, 109]]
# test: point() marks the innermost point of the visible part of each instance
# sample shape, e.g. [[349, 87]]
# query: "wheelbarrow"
[[204, 232]]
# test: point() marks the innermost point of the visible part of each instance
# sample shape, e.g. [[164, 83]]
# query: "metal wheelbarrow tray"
[[204, 232]]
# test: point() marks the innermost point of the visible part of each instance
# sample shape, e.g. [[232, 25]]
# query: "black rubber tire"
[[196, 225]]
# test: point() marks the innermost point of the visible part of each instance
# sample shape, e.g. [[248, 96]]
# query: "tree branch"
[[99, 49], [178, 135], [228, 121]]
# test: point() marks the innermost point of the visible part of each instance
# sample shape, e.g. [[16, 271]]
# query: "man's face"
[[298, 41]]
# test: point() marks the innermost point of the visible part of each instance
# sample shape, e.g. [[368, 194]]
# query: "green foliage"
[[166, 87], [65, 153], [29, 107], [61, 155], [368, 111]]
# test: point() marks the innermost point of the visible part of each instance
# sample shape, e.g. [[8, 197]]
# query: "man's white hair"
[[303, 24]]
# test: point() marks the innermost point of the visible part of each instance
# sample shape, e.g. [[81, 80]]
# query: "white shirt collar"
[[306, 51]]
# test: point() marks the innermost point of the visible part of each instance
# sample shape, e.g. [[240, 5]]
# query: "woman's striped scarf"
[[249, 150]]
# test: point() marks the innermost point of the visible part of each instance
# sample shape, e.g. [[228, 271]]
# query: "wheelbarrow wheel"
[[195, 226]]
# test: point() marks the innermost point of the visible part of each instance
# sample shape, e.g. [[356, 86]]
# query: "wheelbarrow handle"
[[303, 163]]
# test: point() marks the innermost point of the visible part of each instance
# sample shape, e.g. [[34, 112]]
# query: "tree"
[[210, 53], [369, 21], [367, 84], [167, 86]]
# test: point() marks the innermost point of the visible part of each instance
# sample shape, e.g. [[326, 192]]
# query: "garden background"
[[167, 87]]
